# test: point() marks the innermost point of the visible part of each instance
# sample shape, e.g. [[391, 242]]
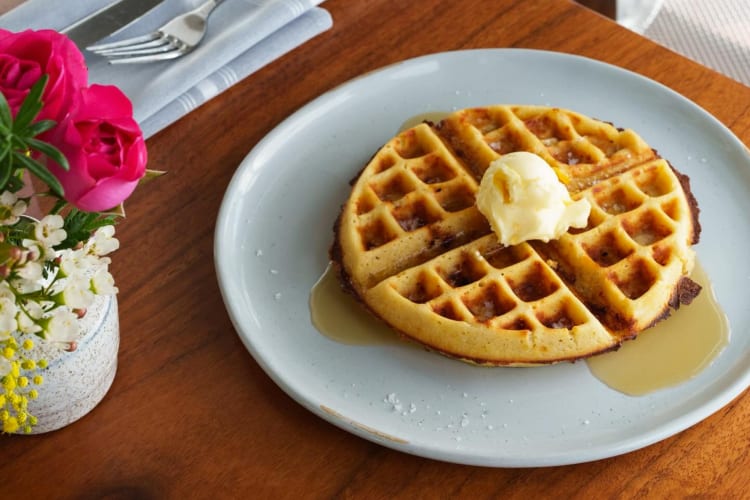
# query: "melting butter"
[[673, 351]]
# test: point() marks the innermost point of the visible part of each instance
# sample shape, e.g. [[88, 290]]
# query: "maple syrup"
[[671, 352], [338, 315]]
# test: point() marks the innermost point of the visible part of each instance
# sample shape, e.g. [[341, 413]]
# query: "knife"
[[107, 20]]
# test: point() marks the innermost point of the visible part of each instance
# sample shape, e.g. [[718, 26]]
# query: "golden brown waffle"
[[411, 244]]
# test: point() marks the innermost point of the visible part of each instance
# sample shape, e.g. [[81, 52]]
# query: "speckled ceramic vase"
[[75, 382]]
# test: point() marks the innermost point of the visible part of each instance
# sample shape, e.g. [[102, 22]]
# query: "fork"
[[174, 39]]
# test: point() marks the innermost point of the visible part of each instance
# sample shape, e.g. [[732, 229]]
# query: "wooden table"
[[191, 414]]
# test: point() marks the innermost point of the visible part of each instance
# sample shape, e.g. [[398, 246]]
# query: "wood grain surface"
[[192, 415]]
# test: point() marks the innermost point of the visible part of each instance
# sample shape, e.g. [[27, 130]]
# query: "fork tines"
[[174, 39], [152, 47]]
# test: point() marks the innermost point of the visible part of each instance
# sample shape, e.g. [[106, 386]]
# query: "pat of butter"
[[522, 198]]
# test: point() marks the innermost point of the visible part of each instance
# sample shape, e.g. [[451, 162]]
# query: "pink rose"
[[105, 148], [26, 56]]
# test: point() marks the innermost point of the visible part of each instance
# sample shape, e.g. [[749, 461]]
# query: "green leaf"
[[14, 183], [6, 118], [50, 151], [40, 171], [6, 170], [37, 128], [31, 106], [8, 160], [5, 149]]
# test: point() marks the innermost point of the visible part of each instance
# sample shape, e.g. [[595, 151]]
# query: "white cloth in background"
[[715, 33], [637, 14], [243, 36]]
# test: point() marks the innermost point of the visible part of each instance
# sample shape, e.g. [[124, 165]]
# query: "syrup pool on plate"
[[338, 316], [672, 352]]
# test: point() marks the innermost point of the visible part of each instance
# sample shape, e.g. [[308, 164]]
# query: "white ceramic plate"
[[274, 230]]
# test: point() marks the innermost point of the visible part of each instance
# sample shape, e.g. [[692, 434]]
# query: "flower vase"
[[75, 382]]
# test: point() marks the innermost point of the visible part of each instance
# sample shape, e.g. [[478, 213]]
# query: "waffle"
[[412, 246]]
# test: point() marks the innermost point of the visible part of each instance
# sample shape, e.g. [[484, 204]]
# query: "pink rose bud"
[[105, 148]]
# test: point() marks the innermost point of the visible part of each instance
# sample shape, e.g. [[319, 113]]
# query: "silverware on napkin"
[[174, 39], [107, 20]]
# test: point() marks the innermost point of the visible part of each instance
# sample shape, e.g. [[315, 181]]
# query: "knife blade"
[[107, 20]]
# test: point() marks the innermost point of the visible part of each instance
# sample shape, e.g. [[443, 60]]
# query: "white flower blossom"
[[28, 277], [10, 208], [8, 310], [103, 283], [103, 241], [24, 286], [5, 291], [62, 327], [25, 318], [31, 271], [76, 294], [5, 366], [49, 231], [34, 250], [76, 262]]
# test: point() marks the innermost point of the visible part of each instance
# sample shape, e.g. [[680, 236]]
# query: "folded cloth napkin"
[[242, 37], [715, 33]]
